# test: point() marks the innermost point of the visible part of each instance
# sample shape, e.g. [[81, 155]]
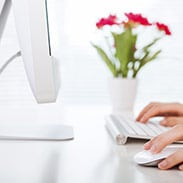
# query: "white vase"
[[123, 93]]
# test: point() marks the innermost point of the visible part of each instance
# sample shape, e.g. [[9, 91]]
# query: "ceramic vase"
[[122, 93]]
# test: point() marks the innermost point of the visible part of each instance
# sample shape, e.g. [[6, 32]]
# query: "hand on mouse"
[[168, 110], [159, 142]]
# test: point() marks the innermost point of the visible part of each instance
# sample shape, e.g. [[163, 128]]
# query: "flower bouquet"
[[125, 50]]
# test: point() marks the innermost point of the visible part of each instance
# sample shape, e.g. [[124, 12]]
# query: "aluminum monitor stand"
[[31, 21]]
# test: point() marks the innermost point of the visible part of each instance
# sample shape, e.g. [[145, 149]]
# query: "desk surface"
[[91, 157]]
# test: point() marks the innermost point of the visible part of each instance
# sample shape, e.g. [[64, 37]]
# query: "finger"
[[151, 144], [155, 110], [171, 121], [160, 109], [148, 144], [181, 167], [157, 144], [144, 111], [172, 160]]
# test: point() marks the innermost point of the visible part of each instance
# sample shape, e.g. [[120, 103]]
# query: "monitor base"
[[36, 132]]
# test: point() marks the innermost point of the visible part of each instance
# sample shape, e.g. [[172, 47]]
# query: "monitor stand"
[[31, 21], [50, 132]]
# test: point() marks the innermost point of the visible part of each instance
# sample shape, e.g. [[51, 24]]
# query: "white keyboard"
[[123, 127]]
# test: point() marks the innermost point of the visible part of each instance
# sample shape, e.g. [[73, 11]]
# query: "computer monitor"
[[31, 21], [4, 11], [32, 25]]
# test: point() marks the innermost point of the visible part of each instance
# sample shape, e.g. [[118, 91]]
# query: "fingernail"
[[181, 167], [138, 119], [142, 119], [146, 145], [163, 164]]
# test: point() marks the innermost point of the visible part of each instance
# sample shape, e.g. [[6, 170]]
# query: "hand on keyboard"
[[123, 127], [173, 113]]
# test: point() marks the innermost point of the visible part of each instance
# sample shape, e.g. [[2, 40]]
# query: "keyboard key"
[[148, 131], [136, 128], [127, 128]]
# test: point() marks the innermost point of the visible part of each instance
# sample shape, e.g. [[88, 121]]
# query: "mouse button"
[[153, 163], [143, 157]]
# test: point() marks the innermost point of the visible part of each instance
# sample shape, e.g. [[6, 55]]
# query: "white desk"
[[91, 157]]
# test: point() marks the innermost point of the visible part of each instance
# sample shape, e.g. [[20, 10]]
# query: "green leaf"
[[106, 59], [150, 44], [146, 60], [125, 49]]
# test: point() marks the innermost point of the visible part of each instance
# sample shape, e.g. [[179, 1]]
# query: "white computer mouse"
[[146, 158]]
